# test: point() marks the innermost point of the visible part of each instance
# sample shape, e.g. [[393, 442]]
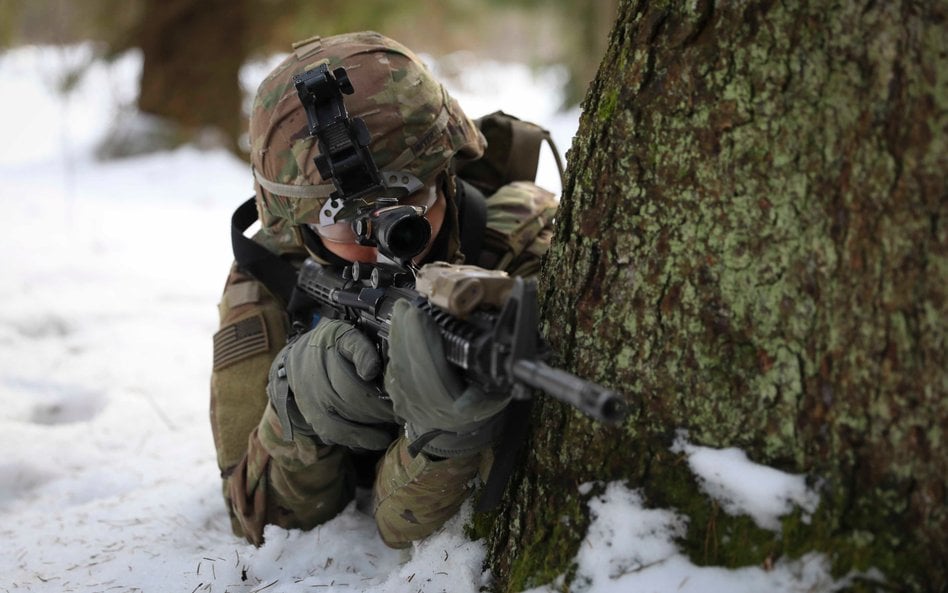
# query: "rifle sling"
[[506, 455], [275, 273], [268, 268]]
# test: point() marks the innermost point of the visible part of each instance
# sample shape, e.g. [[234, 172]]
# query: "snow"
[[744, 487], [110, 276], [629, 547]]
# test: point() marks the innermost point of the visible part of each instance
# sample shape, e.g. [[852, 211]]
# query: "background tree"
[[193, 51], [754, 229]]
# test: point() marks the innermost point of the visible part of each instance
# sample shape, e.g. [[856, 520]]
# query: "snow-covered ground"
[[109, 277]]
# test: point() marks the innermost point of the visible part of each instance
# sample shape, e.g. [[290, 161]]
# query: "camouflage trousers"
[[302, 483]]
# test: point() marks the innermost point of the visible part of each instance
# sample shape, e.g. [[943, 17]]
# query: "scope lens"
[[403, 235]]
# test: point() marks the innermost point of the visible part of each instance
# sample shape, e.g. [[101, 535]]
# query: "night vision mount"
[[363, 196]]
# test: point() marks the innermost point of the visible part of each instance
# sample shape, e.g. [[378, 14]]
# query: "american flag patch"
[[240, 340]]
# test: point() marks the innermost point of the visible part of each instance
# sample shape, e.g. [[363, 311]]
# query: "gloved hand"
[[430, 395], [323, 382]]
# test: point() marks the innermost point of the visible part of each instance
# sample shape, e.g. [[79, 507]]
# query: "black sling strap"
[[507, 454], [274, 272]]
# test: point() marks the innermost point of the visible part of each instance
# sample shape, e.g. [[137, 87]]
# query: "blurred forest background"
[[193, 49]]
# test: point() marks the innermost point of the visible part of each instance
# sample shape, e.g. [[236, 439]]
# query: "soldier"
[[338, 419]]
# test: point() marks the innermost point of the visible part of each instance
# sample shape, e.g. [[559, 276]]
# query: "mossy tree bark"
[[193, 51], [752, 245]]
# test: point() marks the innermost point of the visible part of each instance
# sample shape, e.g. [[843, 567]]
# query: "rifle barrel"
[[591, 398]]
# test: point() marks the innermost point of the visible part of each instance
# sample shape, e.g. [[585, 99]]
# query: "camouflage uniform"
[[303, 482]]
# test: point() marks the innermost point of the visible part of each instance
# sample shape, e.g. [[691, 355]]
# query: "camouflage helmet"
[[415, 125]]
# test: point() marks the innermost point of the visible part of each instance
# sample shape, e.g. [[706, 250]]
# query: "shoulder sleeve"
[[519, 228]]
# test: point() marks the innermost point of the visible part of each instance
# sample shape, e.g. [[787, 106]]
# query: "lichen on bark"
[[753, 230]]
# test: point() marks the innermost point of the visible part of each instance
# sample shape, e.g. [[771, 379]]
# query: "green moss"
[[715, 538], [549, 553], [481, 525], [607, 105]]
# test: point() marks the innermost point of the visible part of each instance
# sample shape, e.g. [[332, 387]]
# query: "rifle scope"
[[400, 231]]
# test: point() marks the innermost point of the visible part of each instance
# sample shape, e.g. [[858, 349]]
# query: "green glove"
[[430, 395], [322, 385]]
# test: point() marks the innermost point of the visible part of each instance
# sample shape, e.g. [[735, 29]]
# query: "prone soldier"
[[298, 425]]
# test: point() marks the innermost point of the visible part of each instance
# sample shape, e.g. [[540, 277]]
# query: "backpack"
[[513, 153]]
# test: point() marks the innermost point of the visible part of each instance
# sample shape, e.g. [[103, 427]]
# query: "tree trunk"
[[754, 230], [193, 52]]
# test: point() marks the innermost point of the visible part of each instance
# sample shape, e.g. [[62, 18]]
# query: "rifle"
[[487, 319]]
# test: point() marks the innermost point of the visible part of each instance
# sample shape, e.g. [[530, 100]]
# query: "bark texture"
[[193, 51], [752, 245]]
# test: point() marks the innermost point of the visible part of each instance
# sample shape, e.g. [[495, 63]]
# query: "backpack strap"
[[524, 158], [472, 219], [275, 273], [524, 154], [556, 156]]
